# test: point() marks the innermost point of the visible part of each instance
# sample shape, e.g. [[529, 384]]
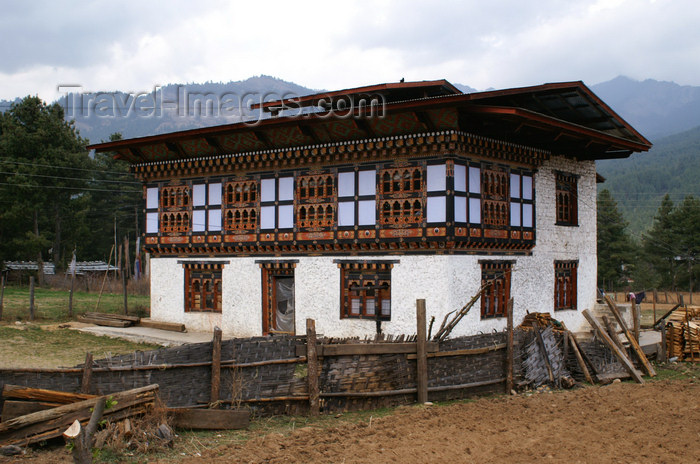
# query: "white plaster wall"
[[446, 282]]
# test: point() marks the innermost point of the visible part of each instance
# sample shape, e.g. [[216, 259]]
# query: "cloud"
[[136, 45]]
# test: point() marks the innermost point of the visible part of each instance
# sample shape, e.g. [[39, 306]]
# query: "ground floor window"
[[365, 289], [203, 286], [495, 282], [565, 277]]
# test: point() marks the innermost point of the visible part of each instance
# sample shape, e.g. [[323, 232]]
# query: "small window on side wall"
[[566, 199], [565, 284], [495, 282]]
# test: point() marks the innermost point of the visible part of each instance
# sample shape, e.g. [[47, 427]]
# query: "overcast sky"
[[136, 45]]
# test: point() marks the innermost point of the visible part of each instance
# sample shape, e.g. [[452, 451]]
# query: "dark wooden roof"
[[564, 118]]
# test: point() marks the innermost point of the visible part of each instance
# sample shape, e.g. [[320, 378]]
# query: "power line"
[[59, 187], [71, 178], [123, 173]]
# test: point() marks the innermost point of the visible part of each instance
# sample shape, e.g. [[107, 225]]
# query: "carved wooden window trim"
[[203, 286], [566, 199], [316, 201], [241, 206], [495, 279], [175, 207], [401, 191], [365, 289], [494, 197], [565, 285]]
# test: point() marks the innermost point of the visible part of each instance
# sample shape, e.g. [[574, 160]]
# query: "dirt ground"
[[657, 422]]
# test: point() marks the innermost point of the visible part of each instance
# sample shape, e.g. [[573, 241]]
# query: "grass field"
[[51, 305]]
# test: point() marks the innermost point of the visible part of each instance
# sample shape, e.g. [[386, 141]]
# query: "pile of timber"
[[48, 414], [109, 320], [543, 320], [683, 334]]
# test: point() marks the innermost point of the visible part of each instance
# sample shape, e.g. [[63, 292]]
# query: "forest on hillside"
[[54, 197]]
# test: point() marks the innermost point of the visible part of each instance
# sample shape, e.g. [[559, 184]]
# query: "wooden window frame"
[[241, 205], [565, 285], [203, 286], [495, 204], [175, 206], [566, 199], [365, 285], [495, 280], [316, 201]]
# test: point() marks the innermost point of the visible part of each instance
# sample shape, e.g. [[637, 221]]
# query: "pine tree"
[[615, 255]]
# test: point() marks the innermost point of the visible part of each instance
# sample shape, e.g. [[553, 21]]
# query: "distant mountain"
[[640, 182], [655, 108]]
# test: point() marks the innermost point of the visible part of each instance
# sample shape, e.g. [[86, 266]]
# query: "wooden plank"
[[577, 352], [610, 344], [633, 342], [215, 365], [87, 374], [421, 354], [464, 352], [120, 317], [14, 408], [636, 320], [509, 347], [171, 326], [103, 321], [313, 369], [611, 331], [50, 423], [543, 350], [352, 349], [209, 419], [39, 394]]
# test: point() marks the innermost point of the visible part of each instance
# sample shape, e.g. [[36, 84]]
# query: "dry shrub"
[[142, 435]]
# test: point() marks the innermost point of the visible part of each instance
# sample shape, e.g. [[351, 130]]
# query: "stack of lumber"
[[109, 320], [19, 400], [544, 320], [50, 423], [683, 334]]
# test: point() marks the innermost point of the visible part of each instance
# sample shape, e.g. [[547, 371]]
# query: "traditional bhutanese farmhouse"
[[347, 206]]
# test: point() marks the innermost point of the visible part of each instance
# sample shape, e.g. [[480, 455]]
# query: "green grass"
[[52, 305], [30, 345]]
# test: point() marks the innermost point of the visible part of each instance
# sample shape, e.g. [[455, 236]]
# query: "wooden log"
[[612, 332], [215, 365], [421, 353], [119, 317], [209, 419], [509, 347], [171, 326], [613, 347], [543, 350], [313, 369], [464, 352], [14, 408], [39, 394], [633, 342], [668, 313], [87, 374], [577, 352], [352, 349], [636, 320], [103, 321], [51, 423]]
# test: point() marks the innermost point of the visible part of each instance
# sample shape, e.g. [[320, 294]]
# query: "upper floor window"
[[521, 200], [357, 193], [316, 201], [206, 207], [277, 203], [401, 191], [241, 205], [175, 206], [567, 199]]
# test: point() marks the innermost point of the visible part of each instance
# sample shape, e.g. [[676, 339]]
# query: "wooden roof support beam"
[[365, 127], [215, 145], [176, 148], [308, 132], [261, 137], [423, 117]]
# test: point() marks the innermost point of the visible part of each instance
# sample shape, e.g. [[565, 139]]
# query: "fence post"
[[87, 374], [215, 365], [31, 298], [421, 353], [312, 372], [636, 315], [2, 291], [509, 348]]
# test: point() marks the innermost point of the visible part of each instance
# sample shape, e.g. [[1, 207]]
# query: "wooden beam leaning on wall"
[[605, 338], [636, 349]]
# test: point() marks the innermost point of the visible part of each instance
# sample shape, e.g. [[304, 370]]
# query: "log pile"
[[109, 320], [543, 320], [50, 423], [683, 334]]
